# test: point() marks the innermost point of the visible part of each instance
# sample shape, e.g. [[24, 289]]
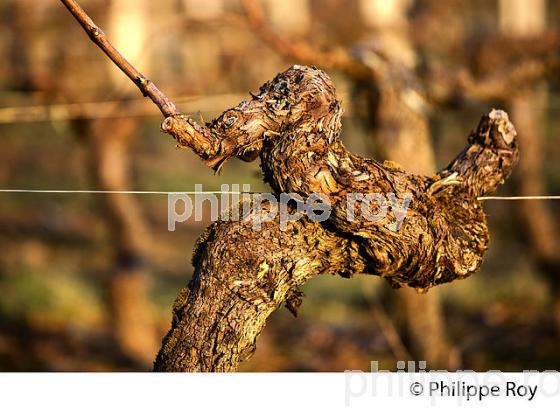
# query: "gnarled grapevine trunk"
[[293, 124]]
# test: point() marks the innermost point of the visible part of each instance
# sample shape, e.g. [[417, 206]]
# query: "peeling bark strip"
[[293, 124]]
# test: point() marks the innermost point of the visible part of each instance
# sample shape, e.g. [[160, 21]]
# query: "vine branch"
[[146, 86]]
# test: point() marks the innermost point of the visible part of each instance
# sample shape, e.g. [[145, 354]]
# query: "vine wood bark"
[[293, 125]]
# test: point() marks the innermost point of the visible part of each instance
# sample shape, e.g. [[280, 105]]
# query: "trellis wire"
[[88, 191]]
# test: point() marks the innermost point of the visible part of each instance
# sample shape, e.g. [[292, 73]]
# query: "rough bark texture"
[[293, 124], [242, 276]]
